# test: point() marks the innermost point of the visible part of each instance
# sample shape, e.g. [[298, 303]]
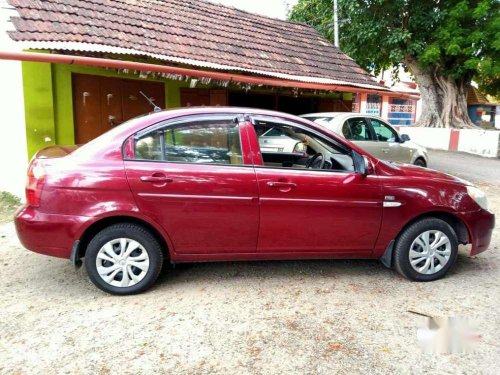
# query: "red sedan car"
[[193, 185]]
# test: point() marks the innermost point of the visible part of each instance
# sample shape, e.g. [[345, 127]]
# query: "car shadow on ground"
[[473, 266], [60, 277], [268, 270], [297, 269]]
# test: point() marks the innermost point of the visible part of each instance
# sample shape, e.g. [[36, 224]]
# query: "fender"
[[124, 214]]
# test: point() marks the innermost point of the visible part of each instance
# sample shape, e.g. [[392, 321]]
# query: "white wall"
[[13, 149], [473, 141], [479, 142], [429, 137]]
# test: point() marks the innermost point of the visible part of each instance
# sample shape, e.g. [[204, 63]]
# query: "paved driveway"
[[470, 167], [302, 317]]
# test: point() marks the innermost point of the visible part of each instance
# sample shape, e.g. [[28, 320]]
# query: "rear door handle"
[[385, 150], [280, 184], [156, 178]]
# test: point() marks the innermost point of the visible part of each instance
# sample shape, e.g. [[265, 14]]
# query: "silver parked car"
[[276, 140], [374, 135]]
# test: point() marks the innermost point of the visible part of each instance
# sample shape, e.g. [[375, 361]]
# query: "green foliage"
[[8, 204], [458, 38]]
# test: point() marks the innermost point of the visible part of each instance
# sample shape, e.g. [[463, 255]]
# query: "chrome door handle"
[[156, 179], [385, 150], [281, 184]]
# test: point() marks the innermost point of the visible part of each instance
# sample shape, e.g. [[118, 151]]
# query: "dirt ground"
[[301, 317]]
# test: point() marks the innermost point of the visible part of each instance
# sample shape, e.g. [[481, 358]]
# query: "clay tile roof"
[[191, 32], [474, 96]]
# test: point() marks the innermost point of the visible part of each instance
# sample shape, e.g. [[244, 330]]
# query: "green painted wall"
[[39, 106]]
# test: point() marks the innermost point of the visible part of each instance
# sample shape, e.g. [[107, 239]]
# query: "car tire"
[[420, 163], [124, 259], [426, 250]]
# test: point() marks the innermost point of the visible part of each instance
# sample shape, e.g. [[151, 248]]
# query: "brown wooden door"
[[100, 103], [195, 97], [111, 103], [86, 107], [218, 98], [134, 103], [203, 97]]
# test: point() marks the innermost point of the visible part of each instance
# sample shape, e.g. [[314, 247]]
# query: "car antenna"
[[155, 107]]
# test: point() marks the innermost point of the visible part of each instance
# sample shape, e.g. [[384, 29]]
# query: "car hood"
[[423, 173]]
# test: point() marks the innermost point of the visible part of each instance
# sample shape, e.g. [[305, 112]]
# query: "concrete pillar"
[[384, 112], [363, 97]]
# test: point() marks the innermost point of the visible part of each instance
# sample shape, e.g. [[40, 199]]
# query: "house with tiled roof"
[[481, 110], [88, 65]]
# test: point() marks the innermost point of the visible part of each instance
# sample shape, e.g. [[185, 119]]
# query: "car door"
[[192, 177], [315, 211], [388, 142], [359, 131]]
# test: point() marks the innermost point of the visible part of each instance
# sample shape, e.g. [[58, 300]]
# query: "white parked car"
[[276, 140], [374, 135]]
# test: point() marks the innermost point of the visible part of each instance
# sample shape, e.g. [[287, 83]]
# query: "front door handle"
[[281, 184], [385, 150], [156, 178]]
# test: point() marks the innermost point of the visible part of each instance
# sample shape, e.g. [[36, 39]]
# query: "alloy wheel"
[[430, 252], [122, 262]]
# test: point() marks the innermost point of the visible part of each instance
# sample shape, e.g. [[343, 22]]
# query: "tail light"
[[34, 183]]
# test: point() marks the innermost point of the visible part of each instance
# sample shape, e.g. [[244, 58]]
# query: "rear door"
[[192, 177]]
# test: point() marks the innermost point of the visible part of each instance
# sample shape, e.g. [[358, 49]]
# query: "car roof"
[[138, 122], [341, 115], [324, 114]]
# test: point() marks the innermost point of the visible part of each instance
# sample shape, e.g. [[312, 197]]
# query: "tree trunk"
[[444, 99]]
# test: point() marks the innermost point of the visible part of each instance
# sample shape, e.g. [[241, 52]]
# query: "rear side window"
[[356, 129], [212, 142]]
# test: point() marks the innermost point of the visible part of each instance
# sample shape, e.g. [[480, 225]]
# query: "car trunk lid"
[[53, 152]]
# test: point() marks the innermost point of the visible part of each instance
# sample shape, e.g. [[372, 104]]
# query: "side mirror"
[[300, 148], [405, 138], [368, 166], [362, 164]]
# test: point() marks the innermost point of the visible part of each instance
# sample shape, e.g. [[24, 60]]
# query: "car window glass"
[[295, 148], [356, 129], [274, 132], [214, 142], [383, 132]]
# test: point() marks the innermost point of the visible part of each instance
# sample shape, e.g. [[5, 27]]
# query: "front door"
[[389, 143], [100, 103], [359, 131], [326, 208], [192, 179]]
